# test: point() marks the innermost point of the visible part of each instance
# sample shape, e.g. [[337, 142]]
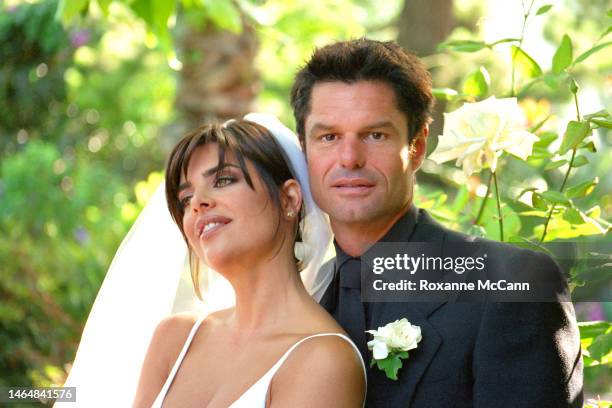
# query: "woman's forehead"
[[206, 157]]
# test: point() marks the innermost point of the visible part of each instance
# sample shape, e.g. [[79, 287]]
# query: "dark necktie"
[[350, 310]]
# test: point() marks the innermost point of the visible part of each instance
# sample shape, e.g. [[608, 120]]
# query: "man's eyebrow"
[[376, 125], [381, 124], [320, 126], [208, 173]]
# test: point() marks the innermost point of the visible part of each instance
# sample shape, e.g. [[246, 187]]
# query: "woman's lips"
[[209, 225]]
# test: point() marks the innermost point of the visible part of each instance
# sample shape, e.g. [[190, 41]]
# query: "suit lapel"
[[389, 392]]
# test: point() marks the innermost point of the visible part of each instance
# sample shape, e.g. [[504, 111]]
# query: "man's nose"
[[352, 153]]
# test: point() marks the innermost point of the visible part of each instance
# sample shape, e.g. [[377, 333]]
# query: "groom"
[[362, 109]]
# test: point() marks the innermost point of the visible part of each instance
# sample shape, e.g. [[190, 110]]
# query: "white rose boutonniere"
[[391, 344]]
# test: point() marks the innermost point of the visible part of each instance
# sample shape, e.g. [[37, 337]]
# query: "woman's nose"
[[202, 202]]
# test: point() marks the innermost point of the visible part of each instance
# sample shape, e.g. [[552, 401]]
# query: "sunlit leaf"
[[463, 45], [477, 83], [225, 15], [445, 93], [526, 65], [543, 9], [563, 56], [599, 114], [68, 9], [592, 51], [546, 138], [555, 197], [555, 164], [582, 189], [574, 134], [580, 161], [602, 123]]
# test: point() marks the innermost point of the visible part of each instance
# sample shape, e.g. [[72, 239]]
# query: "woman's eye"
[[224, 181], [185, 201], [376, 136]]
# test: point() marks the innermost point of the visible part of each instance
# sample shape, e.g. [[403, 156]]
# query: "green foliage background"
[[87, 115]]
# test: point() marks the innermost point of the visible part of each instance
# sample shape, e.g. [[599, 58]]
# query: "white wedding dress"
[[256, 395]]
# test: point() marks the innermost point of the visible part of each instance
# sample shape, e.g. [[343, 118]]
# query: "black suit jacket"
[[479, 354]]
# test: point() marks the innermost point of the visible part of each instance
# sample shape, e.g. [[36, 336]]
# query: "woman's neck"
[[268, 294]]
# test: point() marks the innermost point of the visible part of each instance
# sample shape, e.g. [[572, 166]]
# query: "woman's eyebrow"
[[208, 173]]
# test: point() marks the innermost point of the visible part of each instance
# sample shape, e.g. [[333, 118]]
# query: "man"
[[362, 110]]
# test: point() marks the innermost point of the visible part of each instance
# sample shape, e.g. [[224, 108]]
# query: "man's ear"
[[291, 198], [418, 148]]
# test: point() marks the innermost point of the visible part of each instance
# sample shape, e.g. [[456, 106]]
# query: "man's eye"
[[224, 181], [330, 137], [377, 136]]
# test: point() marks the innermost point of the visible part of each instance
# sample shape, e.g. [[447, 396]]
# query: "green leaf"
[[526, 65], [224, 14], [504, 40], [463, 45], [446, 94], [543, 9], [538, 202], [582, 189], [590, 146], [104, 6], [590, 330], [68, 9], [555, 164], [546, 138], [580, 161], [477, 83], [555, 197], [573, 216], [390, 366], [602, 123], [563, 56], [574, 134], [601, 347], [592, 51], [538, 125], [599, 114]]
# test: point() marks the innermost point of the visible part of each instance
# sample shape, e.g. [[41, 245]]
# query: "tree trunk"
[[218, 80], [422, 25]]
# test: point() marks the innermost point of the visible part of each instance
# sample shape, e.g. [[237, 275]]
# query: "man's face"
[[360, 165]]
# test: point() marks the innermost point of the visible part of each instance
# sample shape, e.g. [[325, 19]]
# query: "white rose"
[[478, 133], [397, 335]]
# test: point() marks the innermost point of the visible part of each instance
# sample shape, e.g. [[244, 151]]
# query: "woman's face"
[[225, 220]]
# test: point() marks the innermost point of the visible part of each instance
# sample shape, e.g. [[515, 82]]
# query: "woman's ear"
[[291, 198]]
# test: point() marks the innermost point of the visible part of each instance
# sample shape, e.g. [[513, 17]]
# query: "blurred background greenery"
[[93, 93]]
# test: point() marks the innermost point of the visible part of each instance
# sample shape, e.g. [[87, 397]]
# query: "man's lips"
[[208, 225], [351, 183], [352, 187]]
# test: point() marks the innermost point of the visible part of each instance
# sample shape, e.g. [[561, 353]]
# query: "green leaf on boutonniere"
[[391, 364]]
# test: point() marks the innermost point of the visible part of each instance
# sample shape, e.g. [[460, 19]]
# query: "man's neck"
[[356, 238]]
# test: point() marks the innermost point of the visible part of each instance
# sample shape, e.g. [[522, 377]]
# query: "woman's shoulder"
[[176, 326], [337, 365]]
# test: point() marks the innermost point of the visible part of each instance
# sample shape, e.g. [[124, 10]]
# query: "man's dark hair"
[[367, 60]]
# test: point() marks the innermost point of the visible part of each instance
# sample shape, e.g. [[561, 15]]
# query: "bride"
[[240, 197]]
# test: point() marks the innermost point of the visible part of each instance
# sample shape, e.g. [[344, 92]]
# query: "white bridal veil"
[[149, 279]]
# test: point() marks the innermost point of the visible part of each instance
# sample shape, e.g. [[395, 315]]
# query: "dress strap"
[[177, 363]]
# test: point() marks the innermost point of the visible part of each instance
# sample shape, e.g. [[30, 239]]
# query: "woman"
[[237, 204]]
